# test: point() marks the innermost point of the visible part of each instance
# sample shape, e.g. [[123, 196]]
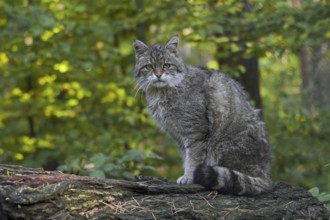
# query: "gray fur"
[[208, 114]]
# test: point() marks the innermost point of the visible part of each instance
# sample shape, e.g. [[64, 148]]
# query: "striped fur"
[[223, 142], [228, 181]]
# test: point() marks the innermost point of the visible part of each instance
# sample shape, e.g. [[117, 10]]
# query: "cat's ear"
[[172, 45], [140, 48]]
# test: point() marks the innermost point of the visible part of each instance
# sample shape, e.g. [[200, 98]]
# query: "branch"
[[28, 193]]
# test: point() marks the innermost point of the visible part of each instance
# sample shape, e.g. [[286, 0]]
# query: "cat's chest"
[[164, 111], [176, 112]]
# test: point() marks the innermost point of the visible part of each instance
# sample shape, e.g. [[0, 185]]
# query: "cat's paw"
[[184, 180]]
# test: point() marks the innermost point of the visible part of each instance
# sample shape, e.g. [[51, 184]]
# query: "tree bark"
[[315, 72], [141, 26], [28, 193], [315, 69], [251, 79]]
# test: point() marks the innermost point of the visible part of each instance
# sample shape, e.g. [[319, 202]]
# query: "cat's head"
[[159, 65]]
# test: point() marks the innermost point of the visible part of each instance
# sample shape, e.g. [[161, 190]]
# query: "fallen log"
[[28, 193]]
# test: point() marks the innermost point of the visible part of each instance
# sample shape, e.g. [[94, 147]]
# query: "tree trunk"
[[141, 26], [27, 193], [250, 79], [315, 74]]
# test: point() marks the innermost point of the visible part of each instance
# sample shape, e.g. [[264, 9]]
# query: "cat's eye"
[[166, 65], [148, 67]]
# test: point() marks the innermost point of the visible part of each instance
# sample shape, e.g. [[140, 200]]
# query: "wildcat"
[[223, 142]]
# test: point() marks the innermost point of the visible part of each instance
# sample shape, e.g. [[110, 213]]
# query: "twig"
[[153, 215], [207, 202], [136, 201], [192, 206], [215, 194], [174, 209]]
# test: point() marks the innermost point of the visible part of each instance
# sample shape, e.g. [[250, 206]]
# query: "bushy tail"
[[229, 181]]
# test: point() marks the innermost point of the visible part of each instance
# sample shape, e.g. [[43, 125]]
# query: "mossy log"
[[27, 193]]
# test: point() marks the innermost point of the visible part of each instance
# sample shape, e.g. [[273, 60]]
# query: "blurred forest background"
[[68, 98]]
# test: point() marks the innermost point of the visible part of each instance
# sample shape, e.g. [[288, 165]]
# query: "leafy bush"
[[299, 135], [101, 165], [323, 197]]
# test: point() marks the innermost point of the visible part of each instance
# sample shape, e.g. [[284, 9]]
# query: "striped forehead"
[[157, 53]]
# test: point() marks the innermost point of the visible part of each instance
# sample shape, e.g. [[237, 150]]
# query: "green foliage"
[[323, 197], [101, 165], [68, 97], [67, 85], [299, 136]]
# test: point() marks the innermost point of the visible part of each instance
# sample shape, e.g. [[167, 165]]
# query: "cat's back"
[[212, 80], [228, 106], [220, 89]]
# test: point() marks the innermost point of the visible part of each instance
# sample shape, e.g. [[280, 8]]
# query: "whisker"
[[139, 89], [187, 81], [141, 83], [149, 84]]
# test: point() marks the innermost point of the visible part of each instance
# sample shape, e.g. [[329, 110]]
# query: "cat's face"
[[158, 65]]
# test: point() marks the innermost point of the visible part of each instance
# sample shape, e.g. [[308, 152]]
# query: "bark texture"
[[27, 193]]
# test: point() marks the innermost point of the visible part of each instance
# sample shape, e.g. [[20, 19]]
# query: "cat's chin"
[[160, 84]]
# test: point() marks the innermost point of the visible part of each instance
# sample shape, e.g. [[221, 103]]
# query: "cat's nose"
[[158, 75]]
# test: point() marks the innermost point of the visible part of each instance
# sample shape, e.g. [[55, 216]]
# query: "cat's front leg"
[[192, 157]]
